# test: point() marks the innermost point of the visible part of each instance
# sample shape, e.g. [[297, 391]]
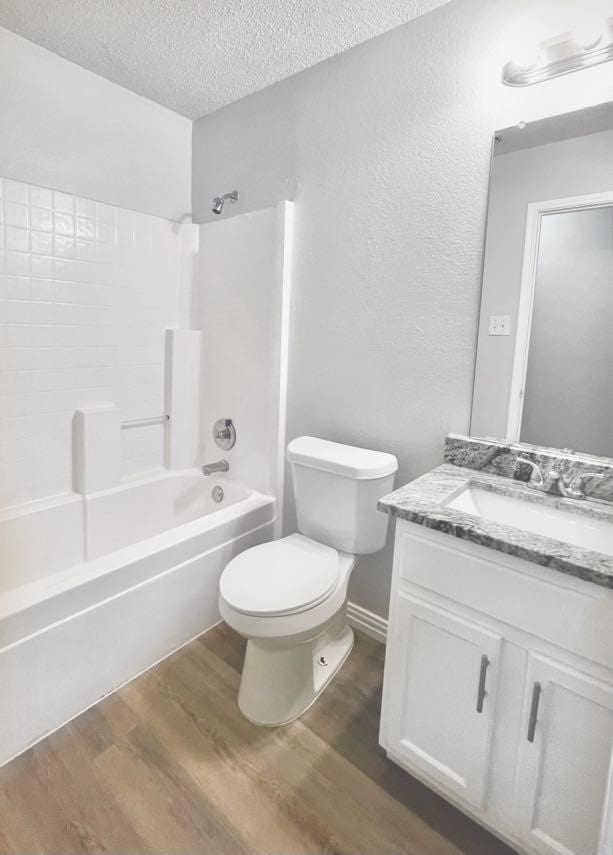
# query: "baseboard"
[[367, 622]]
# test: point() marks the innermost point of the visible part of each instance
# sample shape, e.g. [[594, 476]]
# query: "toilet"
[[288, 598]]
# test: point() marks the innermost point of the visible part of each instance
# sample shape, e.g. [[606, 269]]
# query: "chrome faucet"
[[556, 483], [545, 485], [219, 466], [575, 488]]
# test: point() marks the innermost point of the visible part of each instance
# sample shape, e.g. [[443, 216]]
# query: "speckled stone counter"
[[500, 458], [424, 501]]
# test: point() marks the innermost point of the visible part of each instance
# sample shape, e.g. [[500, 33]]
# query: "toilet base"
[[282, 678]]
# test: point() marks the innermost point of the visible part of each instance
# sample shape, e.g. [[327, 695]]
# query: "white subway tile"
[[125, 229], [85, 228], [15, 191], [43, 289], [16, 214], [41, 197], [17, 312], [88, 326], [41, 266], [106, 213], [63, 202], [64, 223], [41, 219], [41, 243], [86, 250], [17, 263], [16, 239], [64, 247], [104, 253], [17, 288], [86, 208], [105, 232]]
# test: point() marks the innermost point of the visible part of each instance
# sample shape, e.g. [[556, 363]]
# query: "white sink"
[[575, 529]]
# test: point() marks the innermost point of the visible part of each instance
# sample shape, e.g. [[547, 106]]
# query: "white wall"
[[86, 293], [68, 129], [386, 150], [573, 167]]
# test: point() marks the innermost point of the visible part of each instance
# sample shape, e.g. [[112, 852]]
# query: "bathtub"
[[95, 590]]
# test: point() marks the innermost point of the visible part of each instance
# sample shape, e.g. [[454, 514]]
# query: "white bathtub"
[[95, 590]]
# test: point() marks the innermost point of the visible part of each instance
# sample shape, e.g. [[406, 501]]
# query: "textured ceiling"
[[194, 56]]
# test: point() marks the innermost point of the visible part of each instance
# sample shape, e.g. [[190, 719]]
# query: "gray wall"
[[68, 129], [385, 149], [569, 168]]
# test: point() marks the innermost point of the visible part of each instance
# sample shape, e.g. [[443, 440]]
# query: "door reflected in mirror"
[[544, 369]]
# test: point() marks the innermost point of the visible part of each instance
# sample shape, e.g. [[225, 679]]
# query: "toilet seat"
[[284, 577]]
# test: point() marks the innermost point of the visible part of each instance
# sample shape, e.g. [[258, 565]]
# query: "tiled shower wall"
[[86, 293]]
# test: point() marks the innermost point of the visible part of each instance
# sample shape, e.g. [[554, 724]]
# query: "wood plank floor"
[[168, 765]]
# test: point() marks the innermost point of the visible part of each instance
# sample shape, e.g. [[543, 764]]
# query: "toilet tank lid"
[[347, 460]]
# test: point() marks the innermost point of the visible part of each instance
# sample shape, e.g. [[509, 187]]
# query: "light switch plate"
[[499, 325]]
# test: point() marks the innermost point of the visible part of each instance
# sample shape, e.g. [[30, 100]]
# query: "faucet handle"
[[575, 489], [224, 434], [536, 475]]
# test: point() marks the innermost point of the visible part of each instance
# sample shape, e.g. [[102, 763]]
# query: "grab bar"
[[154, 420]]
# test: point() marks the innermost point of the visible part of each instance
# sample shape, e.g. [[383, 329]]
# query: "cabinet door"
[[440, 682], [564, 757]]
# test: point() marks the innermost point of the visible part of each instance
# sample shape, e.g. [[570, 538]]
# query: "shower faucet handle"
[[224, 433]]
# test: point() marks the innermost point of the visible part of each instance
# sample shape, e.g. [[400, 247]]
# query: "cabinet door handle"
[[534, 710], [481, 690]]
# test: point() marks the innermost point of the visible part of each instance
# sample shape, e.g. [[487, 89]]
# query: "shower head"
[[218, 201]]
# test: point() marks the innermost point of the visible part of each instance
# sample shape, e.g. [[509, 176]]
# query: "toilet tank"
[[336, 488]]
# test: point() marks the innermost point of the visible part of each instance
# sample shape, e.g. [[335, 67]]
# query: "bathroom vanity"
[[498, 688]]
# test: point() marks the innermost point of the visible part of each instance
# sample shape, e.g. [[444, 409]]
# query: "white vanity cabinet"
[[441, 720], [563, 763], [498, 691]]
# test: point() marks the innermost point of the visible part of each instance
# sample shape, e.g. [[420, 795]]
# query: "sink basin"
[[575, 529]]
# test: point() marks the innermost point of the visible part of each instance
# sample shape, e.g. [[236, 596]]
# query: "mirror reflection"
[[544, 370]]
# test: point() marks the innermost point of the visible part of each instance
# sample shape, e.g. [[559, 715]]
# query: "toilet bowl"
[[288, 597]]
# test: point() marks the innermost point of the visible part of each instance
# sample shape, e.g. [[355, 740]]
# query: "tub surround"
[[253, 286], [423, 501], [87, 293], [498, 457]]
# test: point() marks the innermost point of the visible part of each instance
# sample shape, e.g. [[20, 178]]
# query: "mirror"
[[544, 368]]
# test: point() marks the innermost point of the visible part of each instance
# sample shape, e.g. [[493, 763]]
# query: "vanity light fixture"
[[571, 51]]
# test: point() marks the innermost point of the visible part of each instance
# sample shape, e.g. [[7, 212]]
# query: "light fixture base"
[[558, 57]]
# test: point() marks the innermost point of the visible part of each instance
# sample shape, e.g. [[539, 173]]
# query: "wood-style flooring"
[[168, 765]]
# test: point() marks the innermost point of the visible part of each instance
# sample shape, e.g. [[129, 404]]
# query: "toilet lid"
[[285, 576]]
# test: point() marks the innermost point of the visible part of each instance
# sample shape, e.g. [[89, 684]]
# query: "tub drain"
[[217, 494]]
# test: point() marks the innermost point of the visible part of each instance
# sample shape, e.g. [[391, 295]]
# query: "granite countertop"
[[424, 501]]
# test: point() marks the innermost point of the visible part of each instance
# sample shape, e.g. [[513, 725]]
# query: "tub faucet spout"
[[219, 466]]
